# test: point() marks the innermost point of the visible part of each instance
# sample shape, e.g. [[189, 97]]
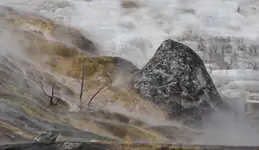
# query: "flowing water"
[[131, 29]]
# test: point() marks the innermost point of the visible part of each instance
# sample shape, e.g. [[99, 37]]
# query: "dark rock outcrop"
[[176, 79], [49, 137]]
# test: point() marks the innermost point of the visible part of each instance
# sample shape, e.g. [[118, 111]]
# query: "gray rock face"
[[176, 79], [71, 146]]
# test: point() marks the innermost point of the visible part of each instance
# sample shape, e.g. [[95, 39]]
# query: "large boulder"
[[176, 79]]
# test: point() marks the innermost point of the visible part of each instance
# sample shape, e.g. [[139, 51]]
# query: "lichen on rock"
[[176, 79]]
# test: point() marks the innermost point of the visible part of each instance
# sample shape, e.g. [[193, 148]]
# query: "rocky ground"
[[41, 53], [37, 57], [114, 146]]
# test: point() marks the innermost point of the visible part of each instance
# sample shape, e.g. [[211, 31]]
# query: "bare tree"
[[82, 89], [238, 9], [230, 64], [89, 103], [215, 46], [82, 84], [233, 59], [254, 65], [51, 97], [253, 49], [201, 44], [241, 45]]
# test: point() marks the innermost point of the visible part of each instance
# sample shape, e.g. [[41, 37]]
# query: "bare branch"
[[94, 96], [82, 84], [44, 90], [52, 92]]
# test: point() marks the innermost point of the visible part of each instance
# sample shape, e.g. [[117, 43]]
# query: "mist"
[[134, 34]]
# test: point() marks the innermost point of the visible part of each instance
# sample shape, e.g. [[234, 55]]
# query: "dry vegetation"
[[66, 60]]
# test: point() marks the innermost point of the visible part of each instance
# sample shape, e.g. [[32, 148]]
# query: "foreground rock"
[[176, 79], [117, 146], [49, 137]]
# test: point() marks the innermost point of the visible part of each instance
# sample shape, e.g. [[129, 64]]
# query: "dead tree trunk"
[[82, 85], [51, 97]]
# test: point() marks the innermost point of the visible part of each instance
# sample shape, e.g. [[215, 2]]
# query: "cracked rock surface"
[[176, 79]]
